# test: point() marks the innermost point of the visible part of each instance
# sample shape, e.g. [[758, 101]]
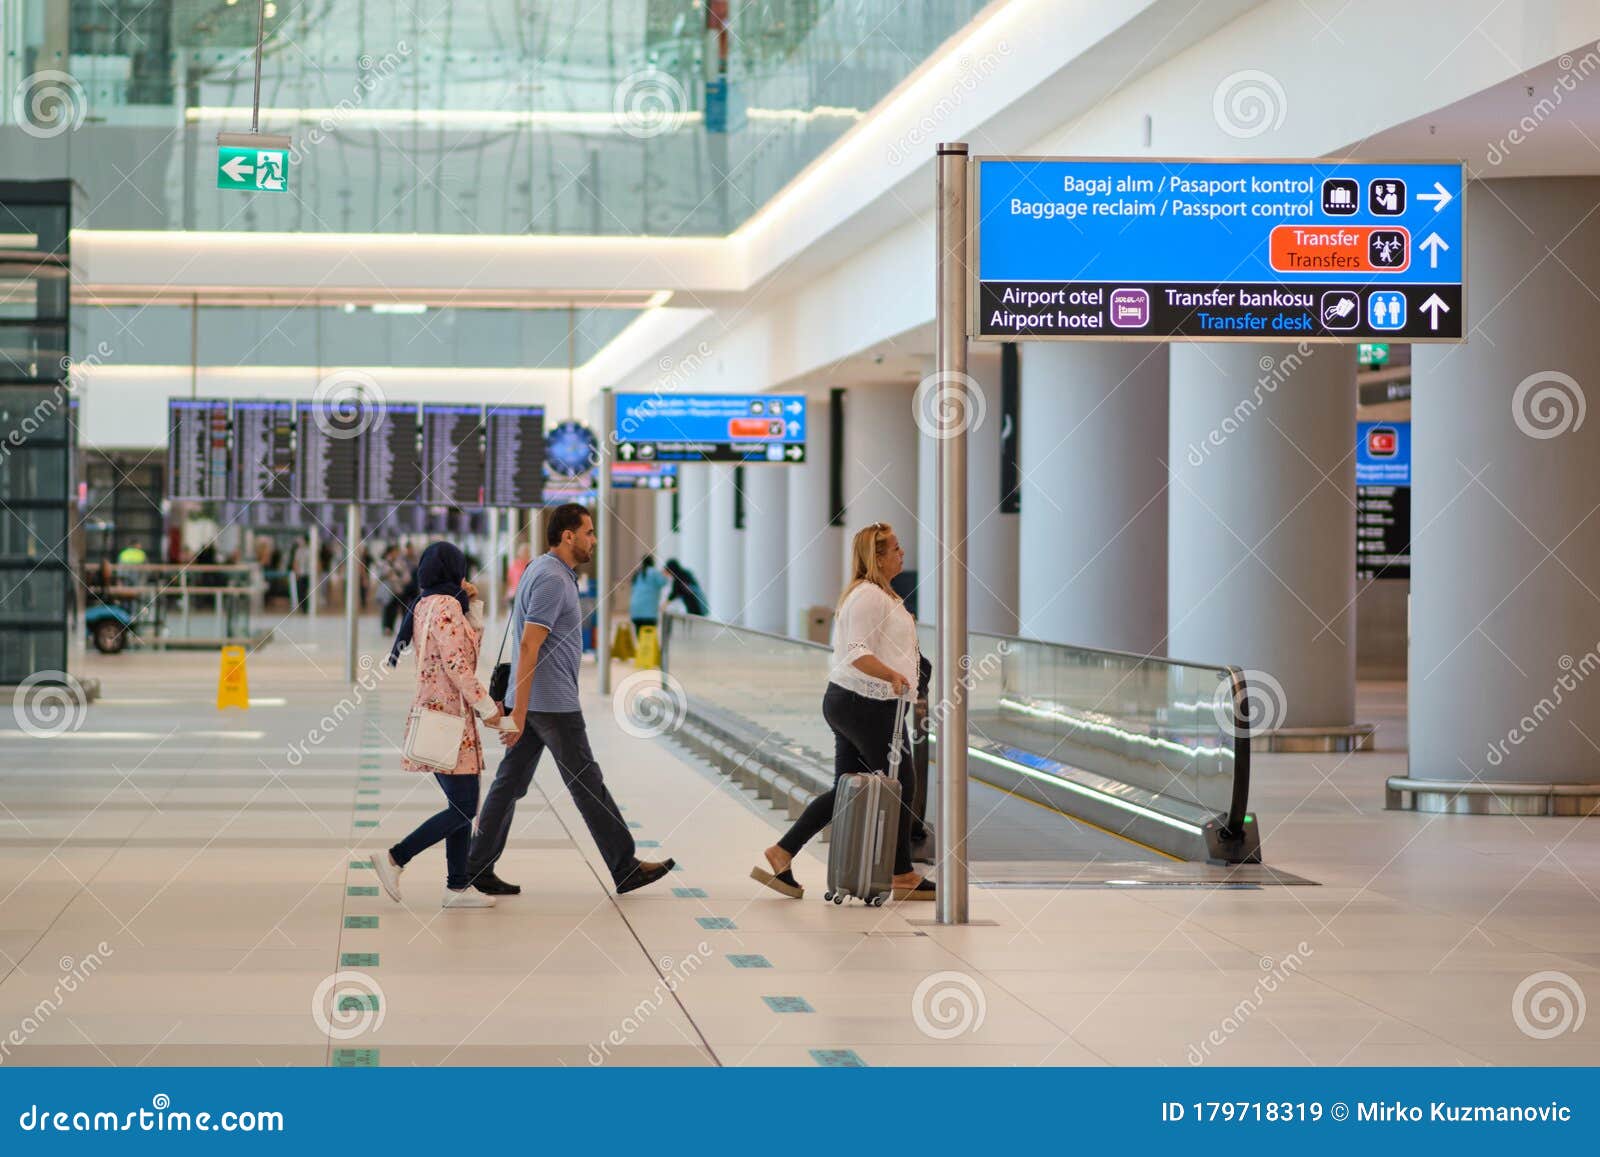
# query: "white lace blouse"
[[873, 622]]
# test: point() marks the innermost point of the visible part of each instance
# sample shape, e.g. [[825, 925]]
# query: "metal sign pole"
[[491, 609], [950, 322], [352, 587], [313, 569], [602, 566], [261, 36]]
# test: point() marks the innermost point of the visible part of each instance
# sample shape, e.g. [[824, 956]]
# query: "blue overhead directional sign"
[[1243, 250], [710, 428]]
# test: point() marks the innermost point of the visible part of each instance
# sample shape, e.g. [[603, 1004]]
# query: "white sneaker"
[[388, 873], [466, 898]]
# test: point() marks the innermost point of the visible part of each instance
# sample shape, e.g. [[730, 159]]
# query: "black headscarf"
[[440, 571]]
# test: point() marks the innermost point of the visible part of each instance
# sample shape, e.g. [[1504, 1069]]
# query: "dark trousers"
[[453, 826], [564, 734], [862, 731]]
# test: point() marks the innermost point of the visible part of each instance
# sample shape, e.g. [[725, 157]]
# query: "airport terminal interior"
[[1206, 379]]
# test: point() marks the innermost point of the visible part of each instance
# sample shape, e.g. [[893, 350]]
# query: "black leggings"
[[862, 731]]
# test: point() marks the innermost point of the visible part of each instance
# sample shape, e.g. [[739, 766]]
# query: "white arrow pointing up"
[[237, 168], [1433, 245], [1441, 196], [1433, 307], [626, 450]]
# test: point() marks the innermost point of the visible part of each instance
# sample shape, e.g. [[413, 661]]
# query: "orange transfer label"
[[1340, 248]]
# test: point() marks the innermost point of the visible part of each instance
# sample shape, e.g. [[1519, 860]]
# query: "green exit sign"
[[1370, 353], [255, 162]]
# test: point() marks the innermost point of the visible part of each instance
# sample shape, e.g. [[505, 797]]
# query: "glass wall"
[[618, 117]]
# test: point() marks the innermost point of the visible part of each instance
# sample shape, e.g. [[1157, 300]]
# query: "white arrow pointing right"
[[1441, 196], [1433, 307]]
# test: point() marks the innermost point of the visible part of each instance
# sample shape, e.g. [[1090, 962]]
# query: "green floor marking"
[[361, 864], [366, 791], [715, 923], [634, 826], [787, 1004], [369, 779], [648, 844], [355, 1058], [366, 807], [366, 823], [360, 890], [748, 960], [689, 893], [358, 960], [360, 921], [362, 1002], [838, 1059]]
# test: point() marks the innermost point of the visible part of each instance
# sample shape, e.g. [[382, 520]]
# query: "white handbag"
[[433, 737]]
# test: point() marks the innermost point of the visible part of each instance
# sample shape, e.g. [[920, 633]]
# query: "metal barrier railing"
[[1154, 749]]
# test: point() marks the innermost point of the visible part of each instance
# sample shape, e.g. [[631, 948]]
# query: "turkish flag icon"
[[1383, 442]]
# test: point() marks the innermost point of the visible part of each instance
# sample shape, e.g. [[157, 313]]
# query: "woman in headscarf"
[[447, 625]]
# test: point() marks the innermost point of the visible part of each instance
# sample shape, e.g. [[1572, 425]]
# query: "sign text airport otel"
[[1244, 250]]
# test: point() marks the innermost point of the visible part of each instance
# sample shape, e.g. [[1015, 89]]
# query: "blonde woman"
[[875, 662]]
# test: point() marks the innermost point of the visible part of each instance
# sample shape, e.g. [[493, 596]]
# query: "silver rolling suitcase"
[[866, 826]]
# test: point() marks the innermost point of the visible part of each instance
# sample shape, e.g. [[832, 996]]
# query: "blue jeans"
[[453, 826]]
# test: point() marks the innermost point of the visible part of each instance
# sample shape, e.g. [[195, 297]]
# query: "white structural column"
[[992, 560], [880, 464], [1261, 522], [723, 578], [694, 519], [766, 541], [1505, 517], [1094, 494], [813, 547]]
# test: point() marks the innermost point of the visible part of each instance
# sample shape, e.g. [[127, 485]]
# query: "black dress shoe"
[[492, 885], [644, 872]]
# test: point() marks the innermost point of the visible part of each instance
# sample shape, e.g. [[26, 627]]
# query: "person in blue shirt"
[[644, 601], [544, 712]]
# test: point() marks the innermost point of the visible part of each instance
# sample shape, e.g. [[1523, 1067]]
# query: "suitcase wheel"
[[826, 896], [877, 901], [838, 897]]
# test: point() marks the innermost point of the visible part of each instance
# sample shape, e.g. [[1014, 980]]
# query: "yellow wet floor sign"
[[233, 686], [649, 651], [622, 642]]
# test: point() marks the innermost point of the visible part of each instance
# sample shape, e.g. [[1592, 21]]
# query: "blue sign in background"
[[1373, 466], [710, 427]]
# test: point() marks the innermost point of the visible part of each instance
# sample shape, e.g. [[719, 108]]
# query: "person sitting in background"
[[514, 571], [448, 624], [644, 600], [684, 588]]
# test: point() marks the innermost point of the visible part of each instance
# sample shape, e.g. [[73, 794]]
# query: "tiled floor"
[[180, 886]]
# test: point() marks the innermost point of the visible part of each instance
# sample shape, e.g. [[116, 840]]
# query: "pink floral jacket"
[[447, 674]]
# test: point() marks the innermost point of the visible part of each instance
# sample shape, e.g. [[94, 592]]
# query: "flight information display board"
[[1383, 500], [711, 428], [391, 464], [197, 448], [1253, 250], [263, 451], [452, 455], [514, 462], [328, 454]]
